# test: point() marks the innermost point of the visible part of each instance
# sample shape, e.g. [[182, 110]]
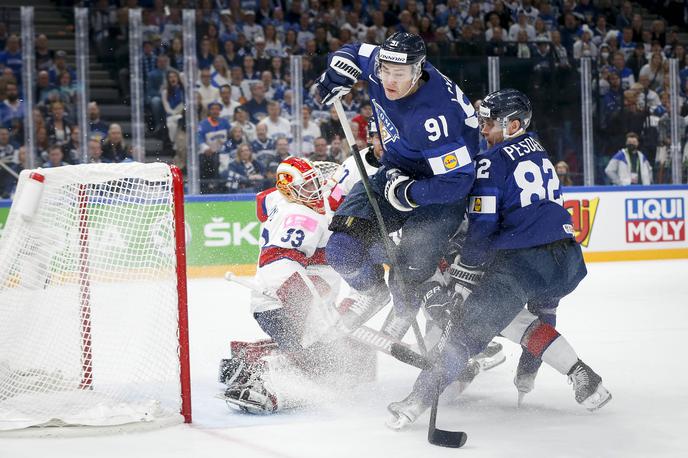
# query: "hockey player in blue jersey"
[[519, 249], [429, 134]]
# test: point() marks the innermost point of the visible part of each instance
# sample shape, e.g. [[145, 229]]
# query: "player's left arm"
[[484, 204]]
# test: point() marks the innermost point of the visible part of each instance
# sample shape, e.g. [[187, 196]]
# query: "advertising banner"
[[611, 224]]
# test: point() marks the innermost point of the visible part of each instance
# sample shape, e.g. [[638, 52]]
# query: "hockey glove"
[[340, 76], [465, 278], [397, 190]]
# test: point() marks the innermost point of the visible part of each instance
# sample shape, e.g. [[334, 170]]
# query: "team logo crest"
[[283, 179], [450, 161], [388, 131]]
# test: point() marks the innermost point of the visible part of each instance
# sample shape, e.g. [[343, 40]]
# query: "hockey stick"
[[363, 334], [389, 248]]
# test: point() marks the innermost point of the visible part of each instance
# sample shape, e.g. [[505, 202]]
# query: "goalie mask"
[[399, 63], [300, 181], [504, 106]]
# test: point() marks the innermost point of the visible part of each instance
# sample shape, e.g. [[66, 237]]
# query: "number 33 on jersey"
[[516, 199]]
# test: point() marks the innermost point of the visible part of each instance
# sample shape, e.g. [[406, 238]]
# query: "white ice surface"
[[626, 320]]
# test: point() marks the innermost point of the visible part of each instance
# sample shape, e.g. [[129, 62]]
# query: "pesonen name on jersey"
[[520, 149]]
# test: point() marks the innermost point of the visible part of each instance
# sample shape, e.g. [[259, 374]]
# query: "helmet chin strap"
[[505, 124]]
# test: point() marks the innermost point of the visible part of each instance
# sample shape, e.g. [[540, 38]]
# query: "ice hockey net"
[[93, 319]]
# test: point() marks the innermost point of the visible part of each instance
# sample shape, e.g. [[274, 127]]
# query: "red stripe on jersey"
[[274, 253], [318, 258], [540, 338], [261, 208]]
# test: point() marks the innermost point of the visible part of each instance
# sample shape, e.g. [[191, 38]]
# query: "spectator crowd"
[[245, 95]]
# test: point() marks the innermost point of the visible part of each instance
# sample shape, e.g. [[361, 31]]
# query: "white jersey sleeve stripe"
[[366, 49]]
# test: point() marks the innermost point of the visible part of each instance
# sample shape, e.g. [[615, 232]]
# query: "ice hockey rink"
[[626, 320]]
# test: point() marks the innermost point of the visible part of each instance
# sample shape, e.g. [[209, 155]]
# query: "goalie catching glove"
[[340, 76]]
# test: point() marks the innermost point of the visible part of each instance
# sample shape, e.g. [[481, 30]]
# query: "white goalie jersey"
[[293, 238]]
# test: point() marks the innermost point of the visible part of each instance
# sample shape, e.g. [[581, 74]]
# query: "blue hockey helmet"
[[507, 105], [402, 48]]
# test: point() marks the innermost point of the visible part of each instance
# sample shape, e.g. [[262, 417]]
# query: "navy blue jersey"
[[515, 201], [430, 135]]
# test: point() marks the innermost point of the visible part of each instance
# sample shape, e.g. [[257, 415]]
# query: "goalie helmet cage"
[[93, 301]]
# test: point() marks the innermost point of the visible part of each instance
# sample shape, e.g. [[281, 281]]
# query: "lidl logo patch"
[[477, 204], [450, 161], [655, 220]]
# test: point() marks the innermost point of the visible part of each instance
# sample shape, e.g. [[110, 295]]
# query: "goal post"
[[93, 299]]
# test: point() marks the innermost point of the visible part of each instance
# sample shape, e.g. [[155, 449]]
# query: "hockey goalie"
[[297, 303]]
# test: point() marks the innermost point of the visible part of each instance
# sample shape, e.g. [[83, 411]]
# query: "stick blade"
[[450, 439]]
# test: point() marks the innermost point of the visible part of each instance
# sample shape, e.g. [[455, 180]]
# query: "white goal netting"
[[89, 315]]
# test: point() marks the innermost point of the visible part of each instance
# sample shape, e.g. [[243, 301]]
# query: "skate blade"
[[521, 398], [397, 422], [598, 399], [491, 362], [243, 406]]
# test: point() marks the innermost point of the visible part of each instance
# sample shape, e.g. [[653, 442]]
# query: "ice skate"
[[405, 412], [587, 386], [360, 306], [251, 397], [525, 382], [491, 357]]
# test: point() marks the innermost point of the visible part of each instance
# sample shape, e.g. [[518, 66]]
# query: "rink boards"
[[611, 224]]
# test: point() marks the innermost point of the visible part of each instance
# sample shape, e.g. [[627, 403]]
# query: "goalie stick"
[[363, 334]]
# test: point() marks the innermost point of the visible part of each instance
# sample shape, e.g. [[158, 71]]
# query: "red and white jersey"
[[293, 238], [347, 175]]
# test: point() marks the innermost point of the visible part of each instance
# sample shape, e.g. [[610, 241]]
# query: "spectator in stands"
[[625, 73], [637, 27], [153, 87], [213, 131], [637, 60], [3, 35], [310, 130], [229, 149], [242, 119], [261, 59], [67, 89], [273, 44], [44, 55], [42, 143], [522, 25], [263, 146], [97, 128], [43, 87], [219, 72], [360, 121], [599, 33], [59, 129], [245, 173], [331, 127], [320, 152], [559, 52], [248, 66], [629, 165], [173, 103], [337, 150], [8, 181], [663, 156], [209, 165], [562, 169], [250, 29], [277, 125], [281, 153], [654, 71], [228, 104], [176, 54], [71, 151], [257, 107], [241, 89], [291, 46], [647, 98], [11, 57], [11, 109], [206, 91], [521, 49], [624, 18], [7, 149], [54, 158], [205, 58], [114, 147], [585, 46]]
